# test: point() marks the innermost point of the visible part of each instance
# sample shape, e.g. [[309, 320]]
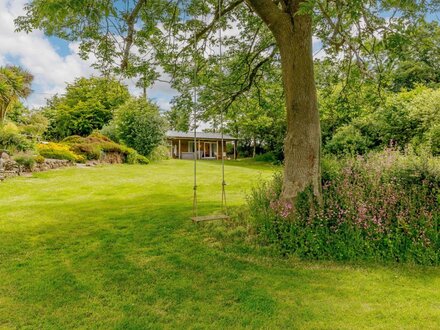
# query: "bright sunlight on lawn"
[[113, 247]]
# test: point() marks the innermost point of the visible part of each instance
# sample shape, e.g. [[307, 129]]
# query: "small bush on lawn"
[[58, 151], [267, 157], [11, 139], [161, 152], [383, 207]]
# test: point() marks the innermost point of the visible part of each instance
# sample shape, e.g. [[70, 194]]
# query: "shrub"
[[39, 159], [58, 151], [433, 137], [266, 157], [26, 161], [161, 152], [135, 158], [11, 139], [348, 140], [110, 131], [382, 207], [34, 125], [99, 147], [140, 126]]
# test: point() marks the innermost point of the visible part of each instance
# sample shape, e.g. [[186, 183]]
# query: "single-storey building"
[[208, 145]]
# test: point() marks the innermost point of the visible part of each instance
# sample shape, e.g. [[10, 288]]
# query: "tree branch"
[[252, 76], [130, 33], [271, 14], [199, 35]]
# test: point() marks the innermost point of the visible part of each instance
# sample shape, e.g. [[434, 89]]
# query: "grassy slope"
[[112, 247]]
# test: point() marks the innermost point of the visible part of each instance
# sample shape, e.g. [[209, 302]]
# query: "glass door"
[[214, 150]]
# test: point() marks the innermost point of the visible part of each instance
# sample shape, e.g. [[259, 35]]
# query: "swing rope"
[[224, 207], [196, 218], [195, 206]]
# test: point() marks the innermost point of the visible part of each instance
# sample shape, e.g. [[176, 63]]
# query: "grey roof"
[[200, 135]]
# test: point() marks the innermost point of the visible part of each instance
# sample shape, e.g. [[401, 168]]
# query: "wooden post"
[[180, 150], [217, 151], [171, 150], [235, 149]]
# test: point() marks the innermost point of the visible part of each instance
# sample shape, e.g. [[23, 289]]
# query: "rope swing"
[[196, 217]]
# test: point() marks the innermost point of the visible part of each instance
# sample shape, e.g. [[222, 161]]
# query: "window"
[[190, 146]]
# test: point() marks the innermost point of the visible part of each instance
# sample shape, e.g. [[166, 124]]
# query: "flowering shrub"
[[381, 207], [58, 151]]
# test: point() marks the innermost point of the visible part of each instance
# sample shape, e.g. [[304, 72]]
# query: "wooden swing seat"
[[210, 218]]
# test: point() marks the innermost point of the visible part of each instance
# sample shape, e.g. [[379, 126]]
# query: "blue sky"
[[52, 61]]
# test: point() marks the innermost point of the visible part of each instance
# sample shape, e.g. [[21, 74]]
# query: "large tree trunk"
[[303, 139], [293, 34]]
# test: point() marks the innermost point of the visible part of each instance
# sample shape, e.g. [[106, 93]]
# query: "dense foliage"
[[139, 125], [404, 118], [11, 140], [381, 207], [87, 104], [99, 147], [95, 147], [15, 84], [54, 150]]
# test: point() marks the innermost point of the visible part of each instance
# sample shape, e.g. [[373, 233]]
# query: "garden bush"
[[433, 137], [110, 131], [161, 152], [26, 161], [58, 151], [12, 141], [382, 207], [266, 157], [348, 140], [96, 146], [39, 159], [140, 126]]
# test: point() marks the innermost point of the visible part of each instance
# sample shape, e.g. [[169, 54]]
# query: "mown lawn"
[[113, 248]]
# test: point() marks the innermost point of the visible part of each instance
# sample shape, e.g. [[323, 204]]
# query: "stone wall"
[[10, 168]]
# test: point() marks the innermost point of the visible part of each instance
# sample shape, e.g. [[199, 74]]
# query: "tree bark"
[[303, 140], [293, 34]]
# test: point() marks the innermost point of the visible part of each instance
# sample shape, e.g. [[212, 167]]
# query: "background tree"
[[15, 84], [88, 104]]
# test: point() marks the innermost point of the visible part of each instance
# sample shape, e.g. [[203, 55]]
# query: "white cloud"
[[35, 53]]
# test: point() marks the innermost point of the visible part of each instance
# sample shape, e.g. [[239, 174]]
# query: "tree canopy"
[[88, 104], [15, 84], [139, 125]]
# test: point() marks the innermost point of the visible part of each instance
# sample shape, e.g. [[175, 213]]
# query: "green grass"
[[113, 248]]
